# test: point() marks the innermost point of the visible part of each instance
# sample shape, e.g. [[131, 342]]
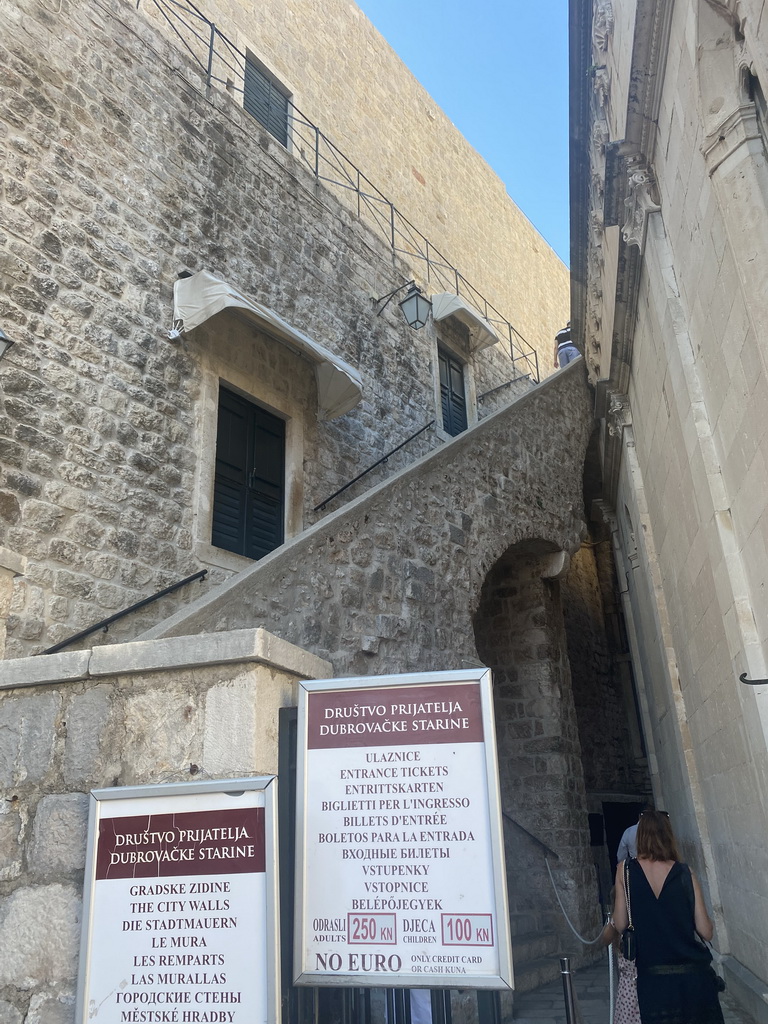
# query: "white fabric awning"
[[201, 296], [481, 332]]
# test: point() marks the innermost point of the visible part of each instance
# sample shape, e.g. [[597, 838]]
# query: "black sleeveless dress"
[[675, 979]]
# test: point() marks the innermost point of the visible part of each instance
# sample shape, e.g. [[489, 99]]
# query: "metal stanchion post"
[[570, 1008], [611, 980]]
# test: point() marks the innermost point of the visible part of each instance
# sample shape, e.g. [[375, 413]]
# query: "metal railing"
[[381, 461], [221, 63], [106, 623], [500, 387]]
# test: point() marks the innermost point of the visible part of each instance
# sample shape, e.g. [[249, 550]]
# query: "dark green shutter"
[[248, 492], [452, 397], [264, 101]]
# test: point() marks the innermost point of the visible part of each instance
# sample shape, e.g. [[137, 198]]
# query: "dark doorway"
[[249, 487], [618, 817], [452, 393]]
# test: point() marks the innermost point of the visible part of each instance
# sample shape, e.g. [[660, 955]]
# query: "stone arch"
[[520, 635]]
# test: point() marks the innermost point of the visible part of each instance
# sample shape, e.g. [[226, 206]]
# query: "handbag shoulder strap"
[[688, 887], [626, 893]]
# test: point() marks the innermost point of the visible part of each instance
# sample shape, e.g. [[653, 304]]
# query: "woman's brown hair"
[[655, 838]]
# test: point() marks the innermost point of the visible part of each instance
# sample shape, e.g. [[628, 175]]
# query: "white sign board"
[[400, 877], [180, 915]]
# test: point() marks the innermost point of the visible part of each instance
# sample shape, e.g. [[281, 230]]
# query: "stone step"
[[536, 958], [533, 946], [529, 974]]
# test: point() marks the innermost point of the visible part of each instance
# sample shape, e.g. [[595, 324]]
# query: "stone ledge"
[[44, 668], [173, 653], [206, 649]]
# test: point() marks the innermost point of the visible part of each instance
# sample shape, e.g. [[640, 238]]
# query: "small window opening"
[[266, 100]]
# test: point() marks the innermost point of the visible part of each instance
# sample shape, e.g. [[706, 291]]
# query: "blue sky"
[[499, 69]]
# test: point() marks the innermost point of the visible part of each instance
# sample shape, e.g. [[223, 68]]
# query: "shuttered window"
[[264, 100], [249, 485], [452, 396]]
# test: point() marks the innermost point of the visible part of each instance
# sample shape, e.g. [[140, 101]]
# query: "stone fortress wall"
[[396, 580], [346, 79], [121, 170]]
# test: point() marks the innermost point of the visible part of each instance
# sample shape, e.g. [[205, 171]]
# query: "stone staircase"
[[535, 956], [390, 581]]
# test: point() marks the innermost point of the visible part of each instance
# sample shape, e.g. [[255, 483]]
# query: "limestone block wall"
[[720, 745], [118, 170], [690, 502], [165, 711], [702, 322], [346, 79]]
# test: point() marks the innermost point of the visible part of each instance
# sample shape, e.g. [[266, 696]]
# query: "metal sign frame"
[[477, 753], [188, 802]]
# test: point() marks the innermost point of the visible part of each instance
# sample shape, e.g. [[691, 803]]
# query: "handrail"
[[384, 458], [752, 682], [499, 387], [530, 835], [221, 63], [105, 623]]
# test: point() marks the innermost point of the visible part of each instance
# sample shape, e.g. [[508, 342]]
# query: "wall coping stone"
[[172, 653], [69, 667]]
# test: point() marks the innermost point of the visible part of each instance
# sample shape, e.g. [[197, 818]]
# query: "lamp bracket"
[[390, 295]]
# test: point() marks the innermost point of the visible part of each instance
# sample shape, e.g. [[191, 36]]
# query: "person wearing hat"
[[565, 350]]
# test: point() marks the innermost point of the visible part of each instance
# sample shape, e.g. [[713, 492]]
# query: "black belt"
[[678, 969]]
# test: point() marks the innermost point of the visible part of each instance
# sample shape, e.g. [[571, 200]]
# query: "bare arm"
[[620, 919], [555, 355], [701, 918]]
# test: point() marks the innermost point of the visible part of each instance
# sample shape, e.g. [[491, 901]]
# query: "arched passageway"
[[550, 629]]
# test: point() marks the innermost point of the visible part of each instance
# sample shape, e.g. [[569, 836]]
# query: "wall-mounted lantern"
[[415, 305]]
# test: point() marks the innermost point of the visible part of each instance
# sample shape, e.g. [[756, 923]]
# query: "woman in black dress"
[[676, 983]]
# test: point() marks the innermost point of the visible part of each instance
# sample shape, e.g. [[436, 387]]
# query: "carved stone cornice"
[[739, 127], [601, 83], [619, 413], [601, 133], [602, 25], [581, 58], [640, 203], [603, 512], [653, 20]]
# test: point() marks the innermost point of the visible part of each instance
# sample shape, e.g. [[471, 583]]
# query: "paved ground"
[[546, 1005]]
